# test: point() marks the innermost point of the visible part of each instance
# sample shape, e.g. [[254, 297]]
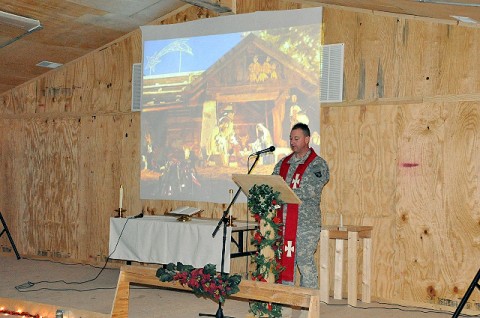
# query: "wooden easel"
[[5, 230]]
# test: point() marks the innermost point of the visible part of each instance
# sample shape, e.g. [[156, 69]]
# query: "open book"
[[186, 210]]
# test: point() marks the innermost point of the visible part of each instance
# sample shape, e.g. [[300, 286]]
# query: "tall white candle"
[[341, 220], [231, 199], [121, 198]]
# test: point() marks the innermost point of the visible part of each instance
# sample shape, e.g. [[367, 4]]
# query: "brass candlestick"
[[120, 212]]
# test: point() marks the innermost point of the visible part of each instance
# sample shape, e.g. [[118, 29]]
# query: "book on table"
[[186, 210]]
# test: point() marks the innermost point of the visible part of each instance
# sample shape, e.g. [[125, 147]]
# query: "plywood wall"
[[403, 151]]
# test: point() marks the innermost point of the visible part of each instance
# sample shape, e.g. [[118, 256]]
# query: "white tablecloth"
[[163, 240]]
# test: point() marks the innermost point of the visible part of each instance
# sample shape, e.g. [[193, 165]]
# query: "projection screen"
[[216, 90]]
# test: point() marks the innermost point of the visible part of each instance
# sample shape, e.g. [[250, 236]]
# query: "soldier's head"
[[300, 139]]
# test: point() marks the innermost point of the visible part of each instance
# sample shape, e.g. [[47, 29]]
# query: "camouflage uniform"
[[309, 216]]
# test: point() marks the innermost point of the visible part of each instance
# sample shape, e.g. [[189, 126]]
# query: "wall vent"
[[49, 64], [136, 87], [331, 78]]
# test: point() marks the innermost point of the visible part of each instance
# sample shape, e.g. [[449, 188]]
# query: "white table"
[[163, 240]]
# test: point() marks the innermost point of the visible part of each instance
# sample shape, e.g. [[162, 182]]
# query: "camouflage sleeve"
[[313, 180], [276, 170]]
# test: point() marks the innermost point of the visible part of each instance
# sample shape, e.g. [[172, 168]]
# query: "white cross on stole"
[[289, 248], [296, 181]]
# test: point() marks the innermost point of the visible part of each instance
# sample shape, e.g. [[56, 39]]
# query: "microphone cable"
[[29, 284]]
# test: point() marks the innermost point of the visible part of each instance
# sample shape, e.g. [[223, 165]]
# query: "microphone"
[[138, 216], [269, 149]]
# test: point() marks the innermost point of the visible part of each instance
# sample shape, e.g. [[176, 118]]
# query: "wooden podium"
[[247, 181], [276, 182]]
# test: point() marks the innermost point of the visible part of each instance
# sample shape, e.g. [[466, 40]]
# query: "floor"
[[90, 289]]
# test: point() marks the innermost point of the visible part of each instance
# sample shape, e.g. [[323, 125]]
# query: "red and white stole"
[[290, 227]]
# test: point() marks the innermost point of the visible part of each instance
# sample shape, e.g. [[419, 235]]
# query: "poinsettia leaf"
[[180, 266], [210, 269], [188, 268], [166, 278], [170, 267], [160, 272]]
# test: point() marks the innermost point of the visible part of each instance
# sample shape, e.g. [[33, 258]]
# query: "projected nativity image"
[[210, 102]]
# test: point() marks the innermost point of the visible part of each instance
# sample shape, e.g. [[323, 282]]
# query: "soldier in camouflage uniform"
[[309, 191]]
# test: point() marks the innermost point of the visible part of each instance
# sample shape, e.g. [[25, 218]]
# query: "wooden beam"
[[251, 290], [218, 6]]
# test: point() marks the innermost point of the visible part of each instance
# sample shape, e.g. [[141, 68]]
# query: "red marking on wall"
[[409, 164]]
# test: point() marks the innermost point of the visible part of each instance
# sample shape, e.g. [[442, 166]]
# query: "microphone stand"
[[224, 220]]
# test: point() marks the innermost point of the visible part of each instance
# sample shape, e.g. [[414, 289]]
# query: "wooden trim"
[[475, 97], [314, 4]]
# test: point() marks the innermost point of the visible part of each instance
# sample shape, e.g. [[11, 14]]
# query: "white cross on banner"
[[289, 248], [296, 181]]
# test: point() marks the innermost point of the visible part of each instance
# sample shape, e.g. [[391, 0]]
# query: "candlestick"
[[341, 227]]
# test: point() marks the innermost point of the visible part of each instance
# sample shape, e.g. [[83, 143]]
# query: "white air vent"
[[136, 87], [464, 19], [331, 79], [49, 64]]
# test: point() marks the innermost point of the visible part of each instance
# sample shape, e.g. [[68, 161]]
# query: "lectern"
[[247, 181]]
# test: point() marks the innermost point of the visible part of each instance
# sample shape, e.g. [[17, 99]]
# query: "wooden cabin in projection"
[[247, 88]]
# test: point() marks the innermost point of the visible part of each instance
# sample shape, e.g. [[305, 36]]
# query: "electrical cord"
[[27, 285]]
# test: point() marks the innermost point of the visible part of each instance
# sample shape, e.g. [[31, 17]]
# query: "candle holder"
[[230, 221], [184, 218], [120, 212]]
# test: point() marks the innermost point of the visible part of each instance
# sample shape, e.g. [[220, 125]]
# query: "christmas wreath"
[[204, 282], [263, 203]]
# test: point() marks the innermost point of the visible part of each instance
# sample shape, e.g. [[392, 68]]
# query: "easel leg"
[[5, 230], [467, 295]]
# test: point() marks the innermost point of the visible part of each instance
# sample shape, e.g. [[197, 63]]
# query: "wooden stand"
[[352, 234], [250, 290], [286, 194]]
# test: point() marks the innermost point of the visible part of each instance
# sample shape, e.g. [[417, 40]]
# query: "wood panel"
[[462, 192], [365, 138], [51, 146], [12, 185], [420, 188]]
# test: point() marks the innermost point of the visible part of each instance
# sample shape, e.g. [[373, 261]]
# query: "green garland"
[[204, 282], [263, 203]]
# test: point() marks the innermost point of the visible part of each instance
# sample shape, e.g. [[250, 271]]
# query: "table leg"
[[367, 270], [352, 268], [338, 279], [324, 267]]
